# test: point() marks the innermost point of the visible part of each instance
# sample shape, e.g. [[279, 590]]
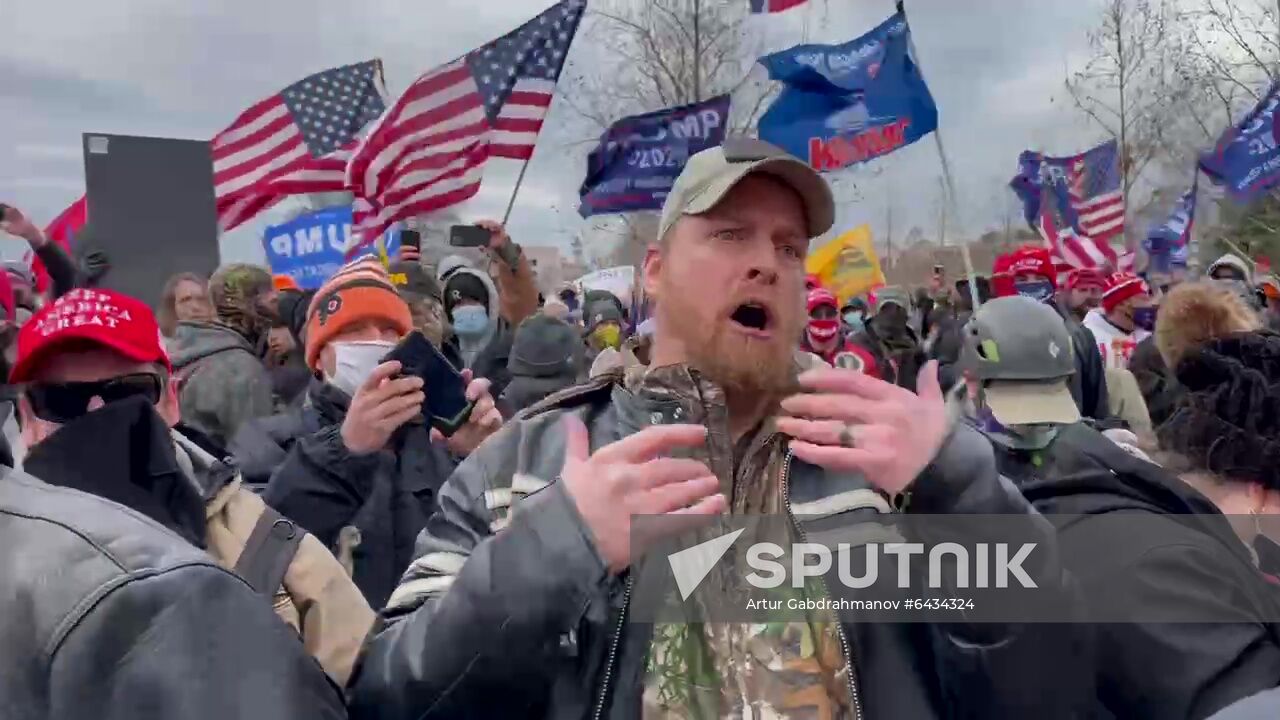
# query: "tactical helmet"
[[1016, 338]]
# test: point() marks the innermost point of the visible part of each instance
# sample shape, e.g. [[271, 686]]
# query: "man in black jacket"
[[362, 472], [517, 603]]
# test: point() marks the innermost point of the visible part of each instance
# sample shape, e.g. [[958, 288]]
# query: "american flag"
[[297, 141], [1097, 197], [428, 151], [1076, 203]]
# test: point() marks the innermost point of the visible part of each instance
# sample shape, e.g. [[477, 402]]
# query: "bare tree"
[[1130, 85], [662, 53]]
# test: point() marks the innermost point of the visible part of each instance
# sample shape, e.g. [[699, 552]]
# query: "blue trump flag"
[[1247, 156], [846, 104], [639, 157], [312, 247], [1167, 242]]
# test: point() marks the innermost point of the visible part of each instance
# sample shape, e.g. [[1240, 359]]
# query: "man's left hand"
[[855, 422], [484, 421]]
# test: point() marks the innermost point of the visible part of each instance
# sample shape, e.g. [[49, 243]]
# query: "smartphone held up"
[[469, 236], [446, 406]]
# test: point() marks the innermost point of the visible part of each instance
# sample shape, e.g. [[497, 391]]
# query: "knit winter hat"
[[1228, 420], [545, 347], [359, 291], [1120, 287], [464, 286], [600, 312]]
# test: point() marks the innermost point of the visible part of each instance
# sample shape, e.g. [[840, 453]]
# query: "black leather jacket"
[[513, 614], [107, 615]]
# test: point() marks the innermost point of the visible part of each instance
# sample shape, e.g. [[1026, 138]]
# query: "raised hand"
[[852, 421], [632, 477], [380, 406]]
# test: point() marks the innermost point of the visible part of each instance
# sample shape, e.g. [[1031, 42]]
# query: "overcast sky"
[[181, 68]]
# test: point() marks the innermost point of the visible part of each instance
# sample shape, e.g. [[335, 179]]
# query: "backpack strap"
[[269, 551]]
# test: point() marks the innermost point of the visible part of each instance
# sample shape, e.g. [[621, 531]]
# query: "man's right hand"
[[632, 477], [16, 223], [381, 405]]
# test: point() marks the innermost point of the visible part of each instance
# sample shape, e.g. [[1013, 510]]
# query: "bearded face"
[[730, 288]]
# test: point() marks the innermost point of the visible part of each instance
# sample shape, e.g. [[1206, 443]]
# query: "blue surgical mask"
[[470, 320], [854, 320], [1039, 290], [1144, 318]]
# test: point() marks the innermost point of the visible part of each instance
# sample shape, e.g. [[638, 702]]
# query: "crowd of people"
[[233, 506]]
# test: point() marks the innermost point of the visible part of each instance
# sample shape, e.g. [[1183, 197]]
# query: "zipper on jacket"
[[613, 650], [844, 640]]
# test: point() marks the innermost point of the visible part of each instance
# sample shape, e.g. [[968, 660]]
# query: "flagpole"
[[516, 190], [697, 51], [948, 182]]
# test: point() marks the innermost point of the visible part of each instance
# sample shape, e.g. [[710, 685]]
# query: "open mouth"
[[752, 316]]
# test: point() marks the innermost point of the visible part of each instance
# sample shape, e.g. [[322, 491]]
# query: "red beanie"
[[1120, 287], [1028, 259]]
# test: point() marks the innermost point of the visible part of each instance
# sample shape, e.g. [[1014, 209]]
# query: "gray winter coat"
[[223, 384]]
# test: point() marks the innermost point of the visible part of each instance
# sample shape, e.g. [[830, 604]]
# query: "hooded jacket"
[[509, 610], [1233, 261], [487, 357], [1143, 545], [176, 480], [117, 618], [368, 509], [222, 382]]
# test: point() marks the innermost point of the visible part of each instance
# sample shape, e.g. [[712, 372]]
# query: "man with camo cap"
[[222, 381]]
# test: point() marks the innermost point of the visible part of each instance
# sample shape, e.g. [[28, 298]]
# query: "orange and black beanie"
[[360, 291]]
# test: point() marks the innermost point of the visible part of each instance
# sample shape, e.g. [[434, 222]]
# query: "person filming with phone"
[[485, 308], [365, 463]]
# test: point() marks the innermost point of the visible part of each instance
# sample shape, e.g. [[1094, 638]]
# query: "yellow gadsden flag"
[[847, 265]]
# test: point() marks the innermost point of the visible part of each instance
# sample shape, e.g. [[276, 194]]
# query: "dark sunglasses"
[[63, 402]]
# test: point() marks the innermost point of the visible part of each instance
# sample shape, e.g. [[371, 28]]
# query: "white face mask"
[[355, 362]]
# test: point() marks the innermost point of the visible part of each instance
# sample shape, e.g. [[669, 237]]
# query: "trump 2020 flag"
[[639, 157], [1247, 157], [846, 104], [1167, 242]]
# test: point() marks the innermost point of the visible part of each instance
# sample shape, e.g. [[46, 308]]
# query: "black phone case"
[[446, 406], [469, 236]]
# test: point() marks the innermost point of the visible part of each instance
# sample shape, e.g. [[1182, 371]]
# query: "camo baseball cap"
[[709, 175]]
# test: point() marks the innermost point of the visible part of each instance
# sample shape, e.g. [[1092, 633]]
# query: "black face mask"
[[123, 452]]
